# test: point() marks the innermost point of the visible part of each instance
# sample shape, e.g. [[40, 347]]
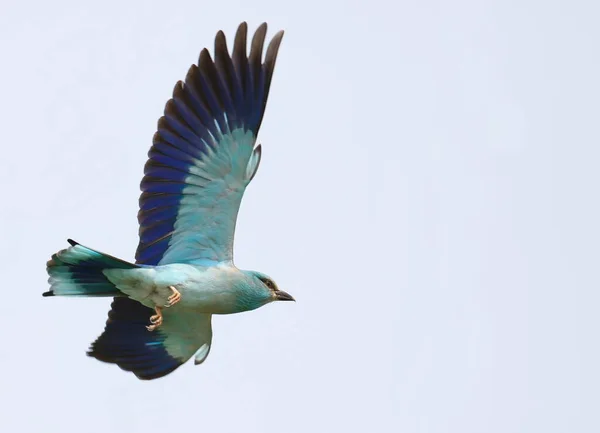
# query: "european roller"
[[203, 156]]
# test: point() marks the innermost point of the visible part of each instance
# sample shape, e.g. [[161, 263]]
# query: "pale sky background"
[[428, 192]]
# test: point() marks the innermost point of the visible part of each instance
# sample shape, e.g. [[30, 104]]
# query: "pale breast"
[[208, 290]]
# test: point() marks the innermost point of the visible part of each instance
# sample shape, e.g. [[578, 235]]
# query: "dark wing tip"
[[72, 242], [205, 57], [258, 42], [262, 28], [48, 293], [220, 42], [239, 45], [271, 56], [273, 47], [242, 29]]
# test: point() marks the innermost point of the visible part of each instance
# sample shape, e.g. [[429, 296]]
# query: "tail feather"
[[77, 271]]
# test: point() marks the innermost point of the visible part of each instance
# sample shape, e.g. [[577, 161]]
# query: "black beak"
[[280, 295]]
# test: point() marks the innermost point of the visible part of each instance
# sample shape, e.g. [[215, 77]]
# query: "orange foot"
[[174, 298], [156, 320]]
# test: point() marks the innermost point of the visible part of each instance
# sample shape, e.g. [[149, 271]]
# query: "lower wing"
[[149, 355]]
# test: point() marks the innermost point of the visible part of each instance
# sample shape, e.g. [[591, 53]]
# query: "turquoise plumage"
[[203, 156]]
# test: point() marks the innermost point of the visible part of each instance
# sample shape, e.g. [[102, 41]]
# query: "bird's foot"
[[155, 320], [174, 298]]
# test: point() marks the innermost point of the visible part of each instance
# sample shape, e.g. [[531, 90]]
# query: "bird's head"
[[266, 289]]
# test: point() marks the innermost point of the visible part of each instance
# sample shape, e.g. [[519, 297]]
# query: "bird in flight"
[[203, 156]]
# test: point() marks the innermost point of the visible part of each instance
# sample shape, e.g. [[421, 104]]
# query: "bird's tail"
[[78, 271]]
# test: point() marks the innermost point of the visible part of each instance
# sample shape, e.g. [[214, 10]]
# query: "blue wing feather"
[[150, 201], [154, 184], [194, 149], [156, 169], [163, 147], [153, 251], [205, 89], [188, 115], [213, 85], [160, 159], [157, 215], [190, 96], [184, 133]]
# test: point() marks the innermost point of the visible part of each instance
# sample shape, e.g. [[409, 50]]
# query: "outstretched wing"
[[150, 355], [203, 155]]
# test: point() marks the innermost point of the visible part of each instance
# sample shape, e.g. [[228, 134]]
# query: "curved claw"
[[174, 298], [155, 320]]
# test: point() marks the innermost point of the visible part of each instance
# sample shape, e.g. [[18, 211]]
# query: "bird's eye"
[[269, 284]]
